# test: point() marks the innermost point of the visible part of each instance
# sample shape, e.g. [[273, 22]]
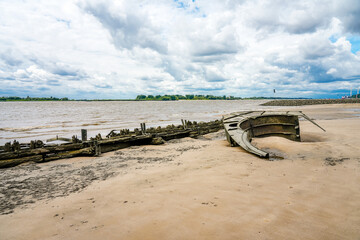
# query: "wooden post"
[[183, 123], [7, 147], [83, 135], [143, 128], [97, 148]]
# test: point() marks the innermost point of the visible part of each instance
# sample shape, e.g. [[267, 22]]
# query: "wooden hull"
[[241, 127]]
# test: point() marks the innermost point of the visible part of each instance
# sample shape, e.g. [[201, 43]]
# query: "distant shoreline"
[[133, 100], [301, 102], [166, 98]]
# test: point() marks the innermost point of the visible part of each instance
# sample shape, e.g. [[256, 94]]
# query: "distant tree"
[[165, 98], [180, 97], [140, 97]]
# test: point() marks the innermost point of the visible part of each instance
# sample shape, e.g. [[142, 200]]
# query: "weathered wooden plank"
[[16, 161], [65, 147], [169, 136], [89, 151], [124, 139], [23, 153], [108, 145]]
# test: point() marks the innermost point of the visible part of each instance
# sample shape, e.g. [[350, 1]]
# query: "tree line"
[[183, 97], [138, 98], [4, 99]]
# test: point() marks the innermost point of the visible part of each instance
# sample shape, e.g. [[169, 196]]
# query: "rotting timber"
[[12, 154], [241, 127]]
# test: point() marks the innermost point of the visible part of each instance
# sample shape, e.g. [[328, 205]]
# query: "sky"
[[117, 49]]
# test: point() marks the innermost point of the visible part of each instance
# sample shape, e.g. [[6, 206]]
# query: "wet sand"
[[197, 189]]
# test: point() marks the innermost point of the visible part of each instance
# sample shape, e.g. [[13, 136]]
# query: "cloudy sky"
[[119, 49]]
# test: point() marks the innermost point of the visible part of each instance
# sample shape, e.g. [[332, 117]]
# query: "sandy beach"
[[197, 189]]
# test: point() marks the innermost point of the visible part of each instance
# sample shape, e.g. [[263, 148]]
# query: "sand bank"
[[197, 189]]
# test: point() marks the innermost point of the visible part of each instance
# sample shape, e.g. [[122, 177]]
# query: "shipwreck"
[[242, 127], [12, 154]]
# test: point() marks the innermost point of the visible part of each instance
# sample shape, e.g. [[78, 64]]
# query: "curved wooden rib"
[[241, 127]]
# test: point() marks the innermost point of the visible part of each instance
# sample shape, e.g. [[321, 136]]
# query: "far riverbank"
[[301, 102]]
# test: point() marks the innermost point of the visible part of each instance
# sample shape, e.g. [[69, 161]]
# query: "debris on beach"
[[332, 161]]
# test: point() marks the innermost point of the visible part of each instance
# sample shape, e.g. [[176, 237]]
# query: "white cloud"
[[331, 71], [118, 49]]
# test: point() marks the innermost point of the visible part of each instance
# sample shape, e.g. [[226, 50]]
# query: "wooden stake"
[[83, 135]]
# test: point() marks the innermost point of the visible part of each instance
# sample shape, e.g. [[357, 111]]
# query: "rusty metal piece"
[[241, 127]]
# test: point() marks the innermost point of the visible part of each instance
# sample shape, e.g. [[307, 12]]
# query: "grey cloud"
[[317, 73], [145, 78], [299, 17], [216, 80], [53, 83], [354, 77], [7, 78], [25, 80], [174, 68], [317, 48], [11, 58], [293, 16], [210, 58], [59, 69], [128, 30], [213, 49], [220, 41], [43, 89], [348, 11], [214, 75], [16, 60], [306, 26], [352, 22], [64, 70], [104, 86], [151, 79]]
